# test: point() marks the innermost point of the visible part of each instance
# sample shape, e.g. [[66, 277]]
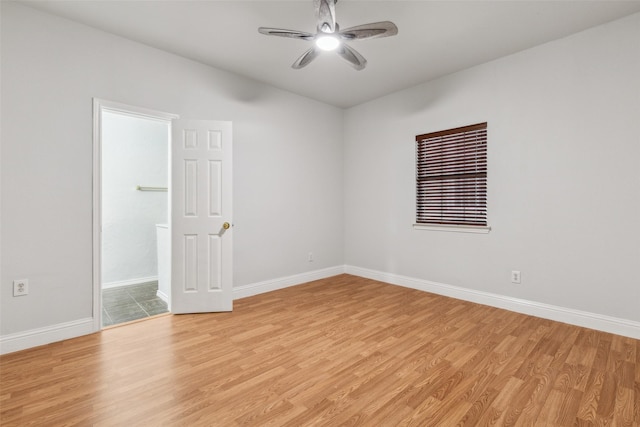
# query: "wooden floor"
[[340, 351]]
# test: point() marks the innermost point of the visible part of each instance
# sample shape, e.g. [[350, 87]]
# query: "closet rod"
[[141, 188]]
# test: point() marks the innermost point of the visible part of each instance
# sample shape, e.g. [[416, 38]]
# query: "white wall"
[[287, 161], [564, 176], [564, 182], [135, 152]]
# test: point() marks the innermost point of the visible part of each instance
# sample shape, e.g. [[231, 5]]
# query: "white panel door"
[[201, 232]]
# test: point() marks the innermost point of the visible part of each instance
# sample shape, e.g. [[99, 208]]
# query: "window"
[[451, 177]]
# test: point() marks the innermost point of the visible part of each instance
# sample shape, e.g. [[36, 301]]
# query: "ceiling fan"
[[329, 36]]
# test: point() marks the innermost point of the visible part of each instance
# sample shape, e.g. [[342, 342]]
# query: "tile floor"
[[128, 303]]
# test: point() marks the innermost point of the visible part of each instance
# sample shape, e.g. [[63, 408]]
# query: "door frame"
[[100, 106]]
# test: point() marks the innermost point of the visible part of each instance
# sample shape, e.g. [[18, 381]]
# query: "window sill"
[[453, 228]]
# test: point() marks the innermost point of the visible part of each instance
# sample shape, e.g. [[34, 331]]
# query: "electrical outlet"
[[310, 258], [20, 287], [515, 277]]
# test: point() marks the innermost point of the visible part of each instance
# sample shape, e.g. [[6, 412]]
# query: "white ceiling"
[[435, 37]]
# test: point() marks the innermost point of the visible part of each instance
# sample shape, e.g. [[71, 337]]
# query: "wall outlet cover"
[[516, 277], [20, 287]]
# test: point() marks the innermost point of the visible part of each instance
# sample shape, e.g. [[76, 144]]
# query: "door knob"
[[226, 225]]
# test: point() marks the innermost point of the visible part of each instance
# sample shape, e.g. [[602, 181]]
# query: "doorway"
[[197, 255], [134, 156]]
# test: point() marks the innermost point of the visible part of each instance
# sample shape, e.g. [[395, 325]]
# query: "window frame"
[[461, 216]]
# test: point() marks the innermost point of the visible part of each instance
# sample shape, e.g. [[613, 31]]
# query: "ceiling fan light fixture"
[[329, 36], [327, 42]]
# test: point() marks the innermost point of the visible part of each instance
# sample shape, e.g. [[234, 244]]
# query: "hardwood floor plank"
[[623, 411], [530, 411], [607, 397], [339, 351], [587, 411], [636, 411], [491, 417]]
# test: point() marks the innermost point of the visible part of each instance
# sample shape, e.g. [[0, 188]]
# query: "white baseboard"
[[285, 282], [129, 282], [36, 337], [614, 325], [41, 336], [164, 297]]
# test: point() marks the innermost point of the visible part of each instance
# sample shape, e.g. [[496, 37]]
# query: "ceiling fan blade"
[[293, 34], [306, 58], [349, 54], [370, 31], [326, 10]]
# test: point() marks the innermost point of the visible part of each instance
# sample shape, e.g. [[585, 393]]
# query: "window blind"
[[452, 176]]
